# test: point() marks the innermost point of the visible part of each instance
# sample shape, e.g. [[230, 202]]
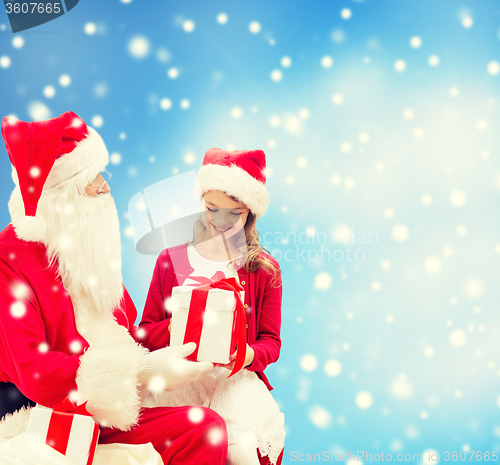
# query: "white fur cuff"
[[108, 380]]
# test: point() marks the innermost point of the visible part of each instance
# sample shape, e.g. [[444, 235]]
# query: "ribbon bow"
[[196, 312], [218, 276], [67, 406]]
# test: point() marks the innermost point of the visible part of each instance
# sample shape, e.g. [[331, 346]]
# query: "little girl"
[[234, 196]]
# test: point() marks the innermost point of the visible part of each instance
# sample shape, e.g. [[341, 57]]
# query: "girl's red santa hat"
[[239, 173], [61, 152]]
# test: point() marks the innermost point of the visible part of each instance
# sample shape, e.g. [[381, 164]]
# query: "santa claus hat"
[[64, 147], [238, 173]]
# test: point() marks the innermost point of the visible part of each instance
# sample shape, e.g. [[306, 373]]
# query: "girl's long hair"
[[257, 256]]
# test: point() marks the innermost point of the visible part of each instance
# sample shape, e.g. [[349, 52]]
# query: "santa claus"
[[66, 320]]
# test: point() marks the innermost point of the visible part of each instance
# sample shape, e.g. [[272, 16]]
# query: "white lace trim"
[[246, 405], [243, 401], [205, 267]]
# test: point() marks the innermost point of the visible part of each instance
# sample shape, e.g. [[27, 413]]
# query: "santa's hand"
[[167, 369]]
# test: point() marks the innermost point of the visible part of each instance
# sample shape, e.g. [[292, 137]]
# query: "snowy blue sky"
[[378, 119]]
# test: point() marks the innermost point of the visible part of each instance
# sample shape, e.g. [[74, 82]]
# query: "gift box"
[[71, 434], [212, 328]]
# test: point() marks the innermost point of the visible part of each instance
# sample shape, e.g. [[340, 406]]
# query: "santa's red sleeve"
[[105, 375], [44, 376], [268, 342], [153, 332]]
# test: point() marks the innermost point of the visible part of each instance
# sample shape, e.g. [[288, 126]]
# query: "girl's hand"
[[250, 354]]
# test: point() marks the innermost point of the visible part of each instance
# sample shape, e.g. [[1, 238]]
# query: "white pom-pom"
[[30, 228]]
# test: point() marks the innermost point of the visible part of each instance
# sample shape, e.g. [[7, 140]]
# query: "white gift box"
[[22, 450], [215, 341], [78, 443]]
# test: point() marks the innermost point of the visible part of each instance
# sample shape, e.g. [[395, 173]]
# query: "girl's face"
[[227, 216]]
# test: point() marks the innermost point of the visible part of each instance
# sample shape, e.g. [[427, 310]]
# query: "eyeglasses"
[[99, 188]]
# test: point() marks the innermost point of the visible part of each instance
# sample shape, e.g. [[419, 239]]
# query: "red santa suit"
[[41, 352], [57, 342]]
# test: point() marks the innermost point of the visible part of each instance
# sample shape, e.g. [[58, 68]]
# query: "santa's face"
[[98, 186]]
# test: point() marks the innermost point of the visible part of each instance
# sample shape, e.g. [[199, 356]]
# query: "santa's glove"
[[167, 369]]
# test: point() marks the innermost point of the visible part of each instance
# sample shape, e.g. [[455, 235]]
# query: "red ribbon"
[[197, 311], [59, 430], [66, 406], [60, 424], [218, 276]]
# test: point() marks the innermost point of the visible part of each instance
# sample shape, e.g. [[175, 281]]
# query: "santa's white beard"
[[83, 240]]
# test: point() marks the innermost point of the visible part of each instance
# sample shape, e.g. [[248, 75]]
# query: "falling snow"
[[367, 133]]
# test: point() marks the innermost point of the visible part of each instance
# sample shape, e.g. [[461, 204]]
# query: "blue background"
[[396, 350]]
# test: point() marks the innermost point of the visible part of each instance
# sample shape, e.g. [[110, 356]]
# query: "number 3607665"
[[33, 8]]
